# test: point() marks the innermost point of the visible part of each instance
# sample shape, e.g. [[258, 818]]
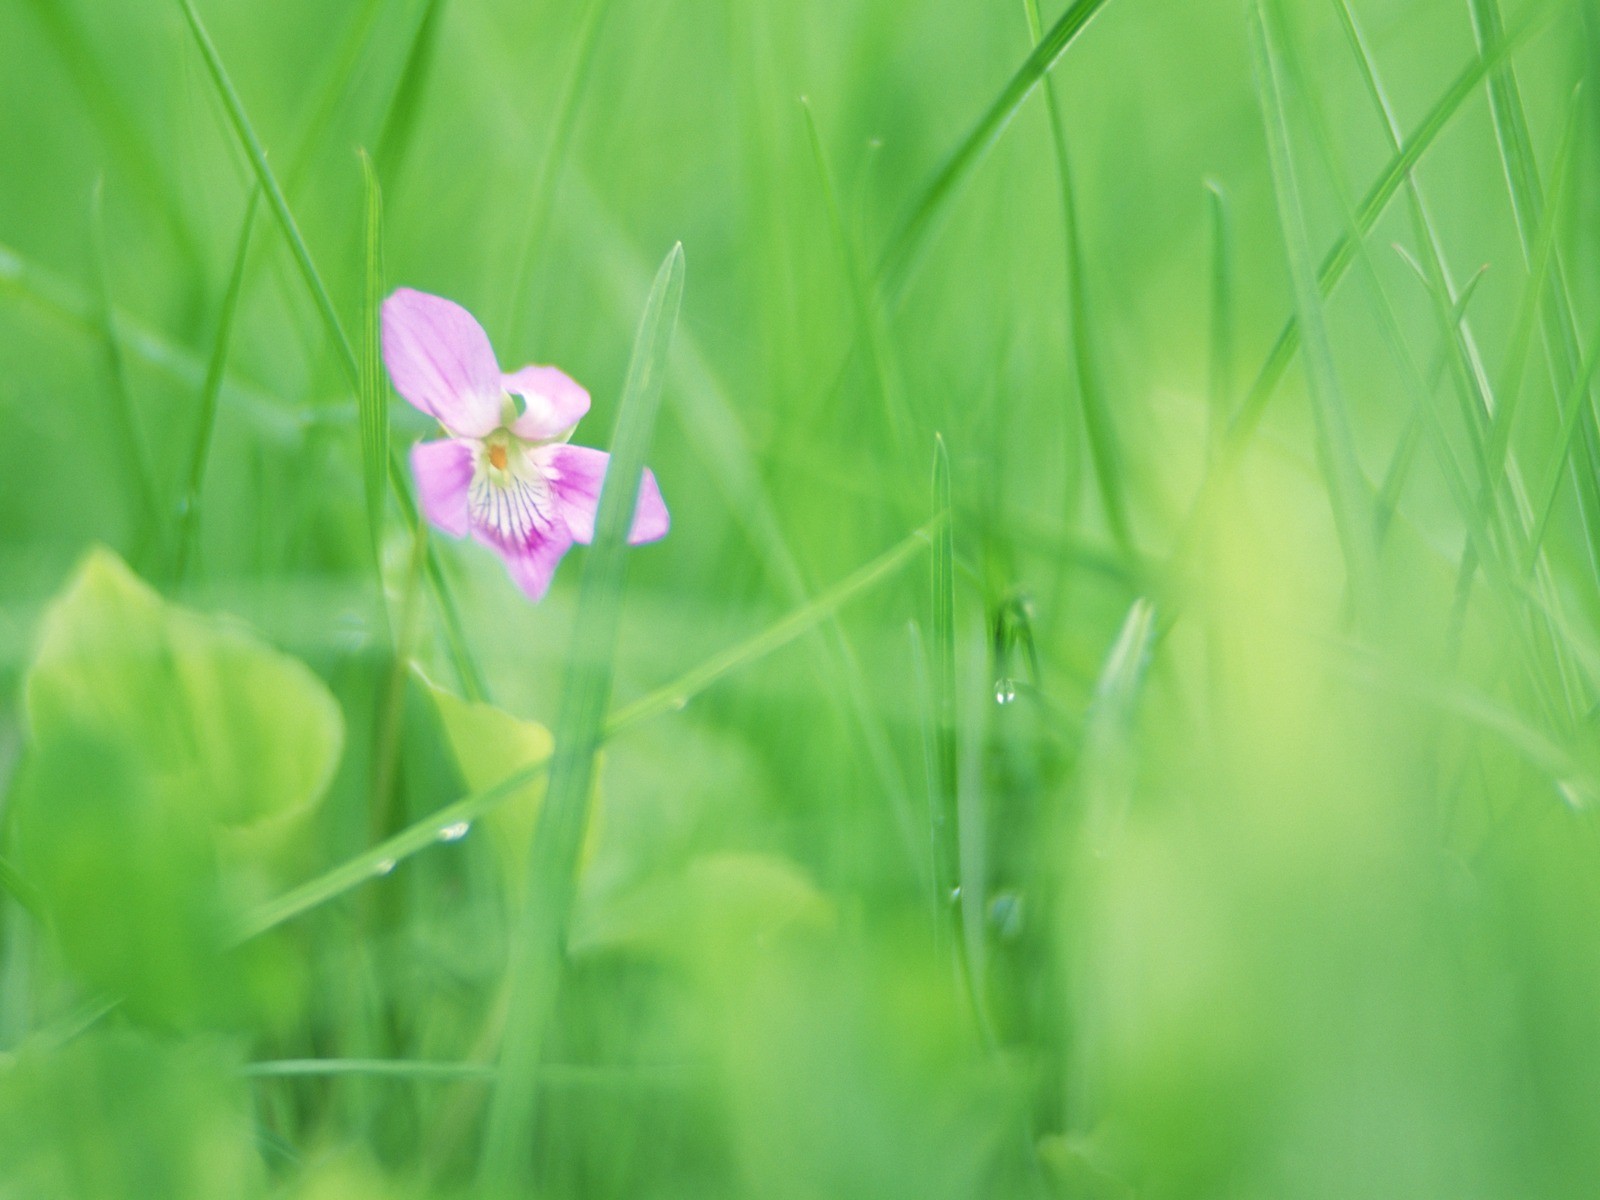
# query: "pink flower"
[[505, 473]]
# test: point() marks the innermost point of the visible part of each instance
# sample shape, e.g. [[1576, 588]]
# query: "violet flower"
[[505, 474]]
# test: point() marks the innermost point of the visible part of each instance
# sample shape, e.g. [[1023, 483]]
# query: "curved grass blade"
[[539, 935], [210, 395], [906, 247]]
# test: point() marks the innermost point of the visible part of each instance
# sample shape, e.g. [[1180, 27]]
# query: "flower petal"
[[576, 474], [441, 362], [535, 564], [443, 471], [554, 403]]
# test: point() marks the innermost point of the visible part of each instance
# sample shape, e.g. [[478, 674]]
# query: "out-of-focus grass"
[[1223, 827]]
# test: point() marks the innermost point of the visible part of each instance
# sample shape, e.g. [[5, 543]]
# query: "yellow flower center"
[[497, 456]]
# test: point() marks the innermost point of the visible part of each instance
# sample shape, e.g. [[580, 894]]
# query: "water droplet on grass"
[[383, 866], [454, 833], [1005, 691]]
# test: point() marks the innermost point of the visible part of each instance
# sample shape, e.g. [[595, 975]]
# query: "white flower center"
[[510, 497]]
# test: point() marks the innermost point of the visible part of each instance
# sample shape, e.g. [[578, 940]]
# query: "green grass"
[[1115, 714]]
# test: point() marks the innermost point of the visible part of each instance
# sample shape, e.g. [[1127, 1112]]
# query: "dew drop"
[[955, 894], [1005, 691], [383, 866], [454, 833], [1005, 914]]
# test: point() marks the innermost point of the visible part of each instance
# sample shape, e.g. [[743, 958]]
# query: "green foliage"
[[171, 761], [1188, 795]]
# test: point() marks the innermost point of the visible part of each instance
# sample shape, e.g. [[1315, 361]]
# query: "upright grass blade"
[[1220, 374], [210, 394], [1338, 259], [543, 190], [1542, 259], [1349, 491], [863, 293], [382, 858], [905, 248], [333, 91], [1110, 470], [455, 637], [400, 121], [372, 399], [1106, 766], [709, 416], [942, 592], [135, 461], [539, 935], [1528, 205], [130, 147]]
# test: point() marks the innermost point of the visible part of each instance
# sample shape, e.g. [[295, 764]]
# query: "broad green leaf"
[[171, 760], [218, 724], [490, 745]]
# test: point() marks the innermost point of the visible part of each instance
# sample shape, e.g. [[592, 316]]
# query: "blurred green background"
[[1196, 803]]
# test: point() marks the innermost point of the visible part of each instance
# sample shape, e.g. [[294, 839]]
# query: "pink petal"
[[443, 471], [554, 403], [576, 474], [441, 362], [535, 564]]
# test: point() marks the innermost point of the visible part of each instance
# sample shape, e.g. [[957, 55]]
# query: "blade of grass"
[[869, 310], [1106, 766], [210, 394], [400, 121], [119, 130], [332, 94], [379, 860], [62, 301], [550, 1075], [1110, 470], [904, 251], [942, 592], [710, 419], [460, 652], [372, 400], [135, 461], [1339, 257], [1349, 491], [20, 890], [1493, 531], [539, 935], [543, 190], [1220, 375]]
